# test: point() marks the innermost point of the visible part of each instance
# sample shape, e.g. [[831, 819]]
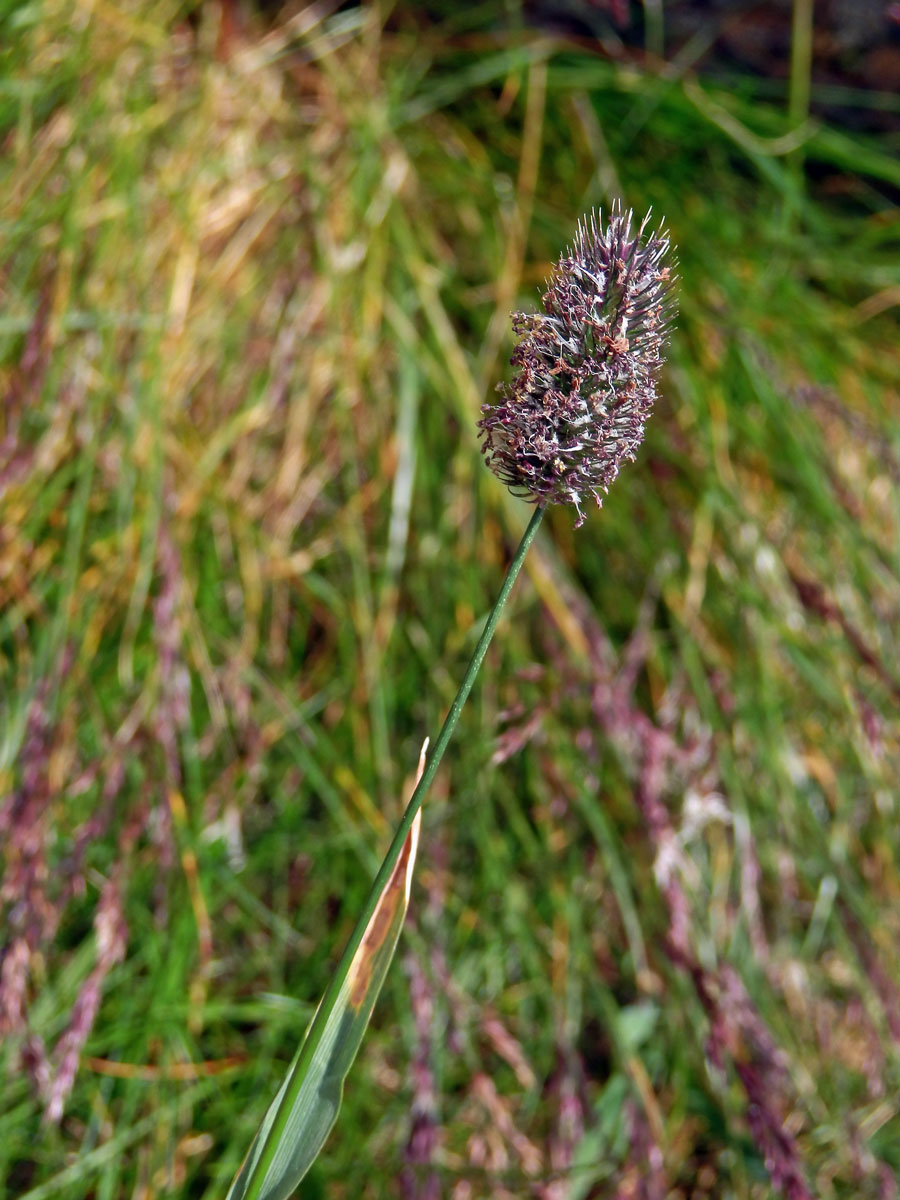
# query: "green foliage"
[[255, 287]]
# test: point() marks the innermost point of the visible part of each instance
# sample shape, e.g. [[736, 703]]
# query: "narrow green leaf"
[[340, 1032]]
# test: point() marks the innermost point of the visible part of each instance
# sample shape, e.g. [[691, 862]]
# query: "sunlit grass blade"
[[340, 1032]]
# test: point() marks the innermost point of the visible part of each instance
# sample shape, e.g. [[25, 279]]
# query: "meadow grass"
[[255, 280]]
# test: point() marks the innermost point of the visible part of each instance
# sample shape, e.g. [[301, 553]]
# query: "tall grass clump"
[[256, 271]]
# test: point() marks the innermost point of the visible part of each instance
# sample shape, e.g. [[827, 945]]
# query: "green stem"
[[317, 1028], [798, 103]]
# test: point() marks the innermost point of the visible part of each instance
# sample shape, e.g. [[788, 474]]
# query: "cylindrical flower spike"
[[587, 367]]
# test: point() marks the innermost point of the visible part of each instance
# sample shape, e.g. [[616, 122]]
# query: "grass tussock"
[[254, 288]]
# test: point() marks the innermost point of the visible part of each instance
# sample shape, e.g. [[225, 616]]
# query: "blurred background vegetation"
[[256, 266]]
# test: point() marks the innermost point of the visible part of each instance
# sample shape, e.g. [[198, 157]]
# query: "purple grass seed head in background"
[[587, 366]]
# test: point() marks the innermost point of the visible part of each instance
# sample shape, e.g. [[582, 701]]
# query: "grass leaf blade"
[[318, 1101]]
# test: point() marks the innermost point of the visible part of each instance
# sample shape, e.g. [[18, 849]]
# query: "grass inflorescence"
[[586, 367], [255, 285]]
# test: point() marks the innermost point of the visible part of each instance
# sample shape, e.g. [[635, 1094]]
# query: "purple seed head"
[[587, 366]]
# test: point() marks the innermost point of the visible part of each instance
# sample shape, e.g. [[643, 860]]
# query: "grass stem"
[[317, 1027]]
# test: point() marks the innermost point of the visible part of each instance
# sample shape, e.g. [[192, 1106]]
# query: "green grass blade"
[[317, 1102]]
